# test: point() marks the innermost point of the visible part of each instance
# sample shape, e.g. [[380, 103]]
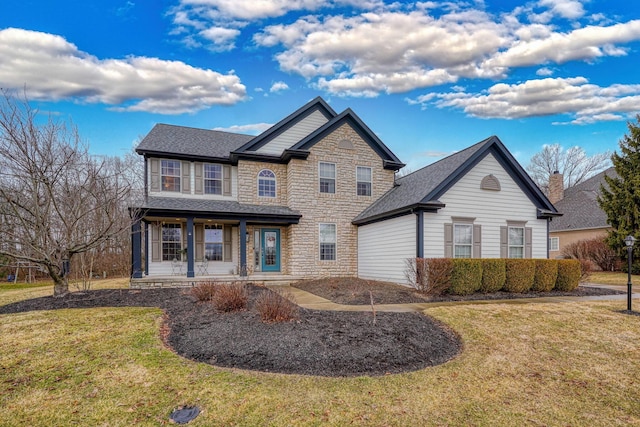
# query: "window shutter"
[[448, 240], [156, 245], [199, 181], [226, 180], [199, 231], [155, 174], [504, 242], [528, 235], [186, 177], [227, 243], [477, 241]]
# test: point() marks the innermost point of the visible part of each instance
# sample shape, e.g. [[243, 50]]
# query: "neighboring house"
[[582, 217], [316, 195]]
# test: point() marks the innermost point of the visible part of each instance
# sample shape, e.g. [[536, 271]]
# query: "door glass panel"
[[270, 248]]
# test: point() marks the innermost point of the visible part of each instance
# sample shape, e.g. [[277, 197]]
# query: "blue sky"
[[430, 78]]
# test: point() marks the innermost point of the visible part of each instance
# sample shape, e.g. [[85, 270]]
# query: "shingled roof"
[[580, 205], [190, 143], [422, 188]]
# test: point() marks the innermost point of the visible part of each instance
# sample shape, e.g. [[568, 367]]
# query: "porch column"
[[146, 248], [190, 263], [136, 249], [420, 234], [243, 247]]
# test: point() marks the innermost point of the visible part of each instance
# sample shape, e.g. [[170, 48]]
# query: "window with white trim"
[[171, 242], [363, 180], [554, 243], [170, 175], [516, 242], [327, 174], [266, 183], [462, 240], [213, 242], [212, 178], [327, 237]]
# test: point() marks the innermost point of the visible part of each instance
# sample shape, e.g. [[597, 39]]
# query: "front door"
[[270, 241]]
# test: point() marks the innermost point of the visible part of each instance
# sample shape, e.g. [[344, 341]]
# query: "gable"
[[293, 133]]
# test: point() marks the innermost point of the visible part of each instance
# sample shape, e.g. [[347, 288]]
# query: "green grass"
[[540, 364]]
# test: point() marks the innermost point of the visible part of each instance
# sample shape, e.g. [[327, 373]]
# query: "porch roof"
[[218, 209]]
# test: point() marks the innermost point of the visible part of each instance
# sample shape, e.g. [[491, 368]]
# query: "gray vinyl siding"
[[491, 210], [294, 134], [384, 247]]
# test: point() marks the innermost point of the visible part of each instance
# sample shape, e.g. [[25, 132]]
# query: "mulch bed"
[[327, 343], [353, 291]]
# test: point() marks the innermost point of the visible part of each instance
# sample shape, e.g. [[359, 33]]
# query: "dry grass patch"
[[612, 278], [541, 364]]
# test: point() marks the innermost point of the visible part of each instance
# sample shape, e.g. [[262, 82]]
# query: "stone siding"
[[248, 183]]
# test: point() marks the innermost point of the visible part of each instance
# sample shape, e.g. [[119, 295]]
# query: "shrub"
[[429, 276], [596, 250], [466, 276], [520, 274], [276, 306], [230, 297], [569, 273], [493, 275], [204, 291], [545, 276]]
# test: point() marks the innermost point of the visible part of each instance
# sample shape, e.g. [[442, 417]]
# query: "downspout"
[[419, 234]]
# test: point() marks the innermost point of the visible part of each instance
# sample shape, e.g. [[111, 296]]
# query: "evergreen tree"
[[620, 199]]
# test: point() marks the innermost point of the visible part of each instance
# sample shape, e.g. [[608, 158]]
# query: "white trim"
[[204, 179], [555, 239], [275, 183], [335, 242], [179, 175], [370, 181], [335, 177]]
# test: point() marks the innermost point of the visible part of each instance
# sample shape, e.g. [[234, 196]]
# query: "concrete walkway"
[[308, 300]]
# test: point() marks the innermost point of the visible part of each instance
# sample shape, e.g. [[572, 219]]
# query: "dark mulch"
[[327, 343], [354, 291]]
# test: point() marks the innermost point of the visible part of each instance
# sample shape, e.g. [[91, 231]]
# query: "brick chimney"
[[556, 187]]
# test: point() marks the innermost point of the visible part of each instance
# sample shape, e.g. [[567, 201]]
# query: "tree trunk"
[[60, 286]]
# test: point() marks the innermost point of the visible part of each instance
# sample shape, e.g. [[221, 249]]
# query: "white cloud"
[[279, 86], [249, 129], [222, 38], [588, 103], [544, 72], [52, 68], [569, 9]]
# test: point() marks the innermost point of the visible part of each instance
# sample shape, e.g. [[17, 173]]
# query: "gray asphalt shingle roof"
[[186, 141], [214, 207], [417, 187], [580, 205]]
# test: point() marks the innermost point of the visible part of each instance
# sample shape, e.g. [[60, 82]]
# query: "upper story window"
[[462, 240], [516, 242], [363, 181], [170, 173], [327, 177], [212, 179], [266, 183], [171, 242]]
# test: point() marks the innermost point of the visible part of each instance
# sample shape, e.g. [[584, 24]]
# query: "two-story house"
[[316, 195]]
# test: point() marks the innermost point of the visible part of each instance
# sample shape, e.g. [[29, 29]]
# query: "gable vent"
[[346, 143], [490, 182]]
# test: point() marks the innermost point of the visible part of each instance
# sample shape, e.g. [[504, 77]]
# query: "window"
[[212, 179], [554, 243], [327, 177], [171, 242], [363, 181], [516, 242], [462, 240], [213, 241], [266, 183], [170, 172], [327, 242]]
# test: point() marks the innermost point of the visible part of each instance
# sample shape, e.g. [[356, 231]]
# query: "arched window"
[[266, 183]]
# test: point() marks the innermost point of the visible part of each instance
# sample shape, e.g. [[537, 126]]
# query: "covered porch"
[[182, 240]]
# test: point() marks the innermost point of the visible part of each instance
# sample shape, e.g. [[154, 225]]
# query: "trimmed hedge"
[[466, 277], [520, 274], [569, 272], [493, 275], [546, 275]]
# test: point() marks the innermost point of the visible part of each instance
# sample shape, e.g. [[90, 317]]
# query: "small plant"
[[466, 277], [204, 291], [546, 275], [493, 275], [520, 274], [276, 306], [569, 273], [430, 276], [230, 297]]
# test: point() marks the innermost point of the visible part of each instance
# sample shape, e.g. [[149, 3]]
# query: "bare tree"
[[573, 164], [56, 201]]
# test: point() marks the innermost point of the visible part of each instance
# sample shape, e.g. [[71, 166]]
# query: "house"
[[317, 195], [582, 219]]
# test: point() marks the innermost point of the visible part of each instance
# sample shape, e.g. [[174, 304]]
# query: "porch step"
[[188, 282]]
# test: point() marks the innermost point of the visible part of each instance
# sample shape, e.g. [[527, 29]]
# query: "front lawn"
[[541, 364]]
